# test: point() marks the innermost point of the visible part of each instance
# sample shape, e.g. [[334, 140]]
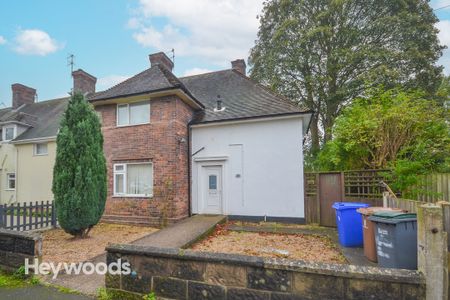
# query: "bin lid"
[[368, 211], [393, 214], [411, 218], [348, 205]]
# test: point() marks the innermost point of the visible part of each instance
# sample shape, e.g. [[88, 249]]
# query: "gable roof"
[[242, 97], [43, 117]]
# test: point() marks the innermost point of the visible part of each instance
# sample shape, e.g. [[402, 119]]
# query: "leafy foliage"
[[390, 129], [325, 53], [79, 177]]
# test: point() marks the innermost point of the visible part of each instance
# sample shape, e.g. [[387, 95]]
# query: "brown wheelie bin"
[[370, 249]]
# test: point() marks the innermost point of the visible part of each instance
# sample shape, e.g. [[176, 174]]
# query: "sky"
[[112, 39]]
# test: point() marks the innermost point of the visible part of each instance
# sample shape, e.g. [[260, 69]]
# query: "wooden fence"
[[436, 187], [27, 216], [322, 189]]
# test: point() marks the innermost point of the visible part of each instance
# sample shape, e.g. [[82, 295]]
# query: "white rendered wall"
[[268, 156]]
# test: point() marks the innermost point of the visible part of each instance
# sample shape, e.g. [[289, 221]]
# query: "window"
[[212, 182], [11, 181], [40, 149], [9, 133], [133, 113], [134, 180]]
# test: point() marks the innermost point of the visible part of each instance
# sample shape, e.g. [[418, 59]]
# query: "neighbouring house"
[[214, 143], [28, 147]]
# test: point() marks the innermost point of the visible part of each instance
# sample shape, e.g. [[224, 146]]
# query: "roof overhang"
[[16, 123], [34, 140], [183, 95], [305, 116]]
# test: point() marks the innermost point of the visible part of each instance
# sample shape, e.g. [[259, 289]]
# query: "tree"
[[394, 129], [324, 53], [79, 175]]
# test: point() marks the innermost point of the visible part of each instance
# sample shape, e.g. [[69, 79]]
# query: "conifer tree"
[[79, 176]]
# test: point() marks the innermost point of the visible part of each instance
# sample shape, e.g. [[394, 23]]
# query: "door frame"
[[197, 181]]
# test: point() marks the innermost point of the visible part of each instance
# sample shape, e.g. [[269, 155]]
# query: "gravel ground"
[[59, 246], [293, 246]]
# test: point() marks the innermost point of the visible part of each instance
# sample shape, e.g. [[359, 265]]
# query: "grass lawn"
[[308, 247], [59, 246]]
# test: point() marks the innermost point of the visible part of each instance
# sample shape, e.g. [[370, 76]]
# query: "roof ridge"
[[219, 71]]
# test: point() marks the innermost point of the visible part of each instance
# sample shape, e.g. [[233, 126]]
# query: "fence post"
[[2, 213], [432, 251], [385, 199], [53, 214]]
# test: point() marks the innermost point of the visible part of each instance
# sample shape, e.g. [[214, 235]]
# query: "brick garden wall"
[[15, 246], [158, 142], [185, 274]]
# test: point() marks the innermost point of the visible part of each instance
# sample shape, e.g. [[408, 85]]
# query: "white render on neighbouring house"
[[250, 167]]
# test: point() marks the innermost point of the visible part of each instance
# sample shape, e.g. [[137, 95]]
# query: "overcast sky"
[[112, 39]]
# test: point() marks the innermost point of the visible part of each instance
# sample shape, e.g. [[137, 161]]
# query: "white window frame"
[[127, 105], [8, 179], [35, 149], [4, 129], [125, 180]]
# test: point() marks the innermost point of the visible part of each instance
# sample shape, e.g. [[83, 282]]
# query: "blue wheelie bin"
[[349, 223]]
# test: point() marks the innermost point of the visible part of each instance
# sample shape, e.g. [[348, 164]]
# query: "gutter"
[[34, 140], [243, 119]]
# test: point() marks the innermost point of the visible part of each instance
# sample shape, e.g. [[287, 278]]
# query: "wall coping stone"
[[20, 234], [340, 270]]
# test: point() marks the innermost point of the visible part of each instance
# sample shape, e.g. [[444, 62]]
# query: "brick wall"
[[164, 142], [16, 246], [186, 274]]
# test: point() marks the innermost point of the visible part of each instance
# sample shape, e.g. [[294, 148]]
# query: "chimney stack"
[[162, 59], [22, 94], [83, 82], [239, 65]]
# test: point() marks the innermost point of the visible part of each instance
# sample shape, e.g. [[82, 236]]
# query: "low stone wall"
[[186, 274], [15, 246]]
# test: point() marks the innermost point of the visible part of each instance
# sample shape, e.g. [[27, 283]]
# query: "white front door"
[[212, 189]]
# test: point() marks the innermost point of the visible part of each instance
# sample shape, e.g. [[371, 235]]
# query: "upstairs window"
[[11, 181], [133, 113], [40, 149], [9, 133]]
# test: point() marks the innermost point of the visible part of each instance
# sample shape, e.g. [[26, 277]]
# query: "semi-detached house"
[[214, 143]]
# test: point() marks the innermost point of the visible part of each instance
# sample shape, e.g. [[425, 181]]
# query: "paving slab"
[[183, 233]]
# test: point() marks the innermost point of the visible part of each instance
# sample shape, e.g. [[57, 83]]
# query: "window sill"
[[130, 125], [10, 190], [46, 154], [132, 196]]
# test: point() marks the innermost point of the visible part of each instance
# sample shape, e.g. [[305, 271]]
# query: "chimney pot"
[[83, 82], [239, 65], [161, 59], [22, 94]]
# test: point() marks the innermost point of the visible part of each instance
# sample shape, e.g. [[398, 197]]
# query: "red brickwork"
[[164, 142]]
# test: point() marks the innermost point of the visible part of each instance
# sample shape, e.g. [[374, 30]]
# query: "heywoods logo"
[[87, 268]]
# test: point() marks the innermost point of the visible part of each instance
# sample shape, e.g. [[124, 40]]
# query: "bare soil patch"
[[308, 247], [59, 246]]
